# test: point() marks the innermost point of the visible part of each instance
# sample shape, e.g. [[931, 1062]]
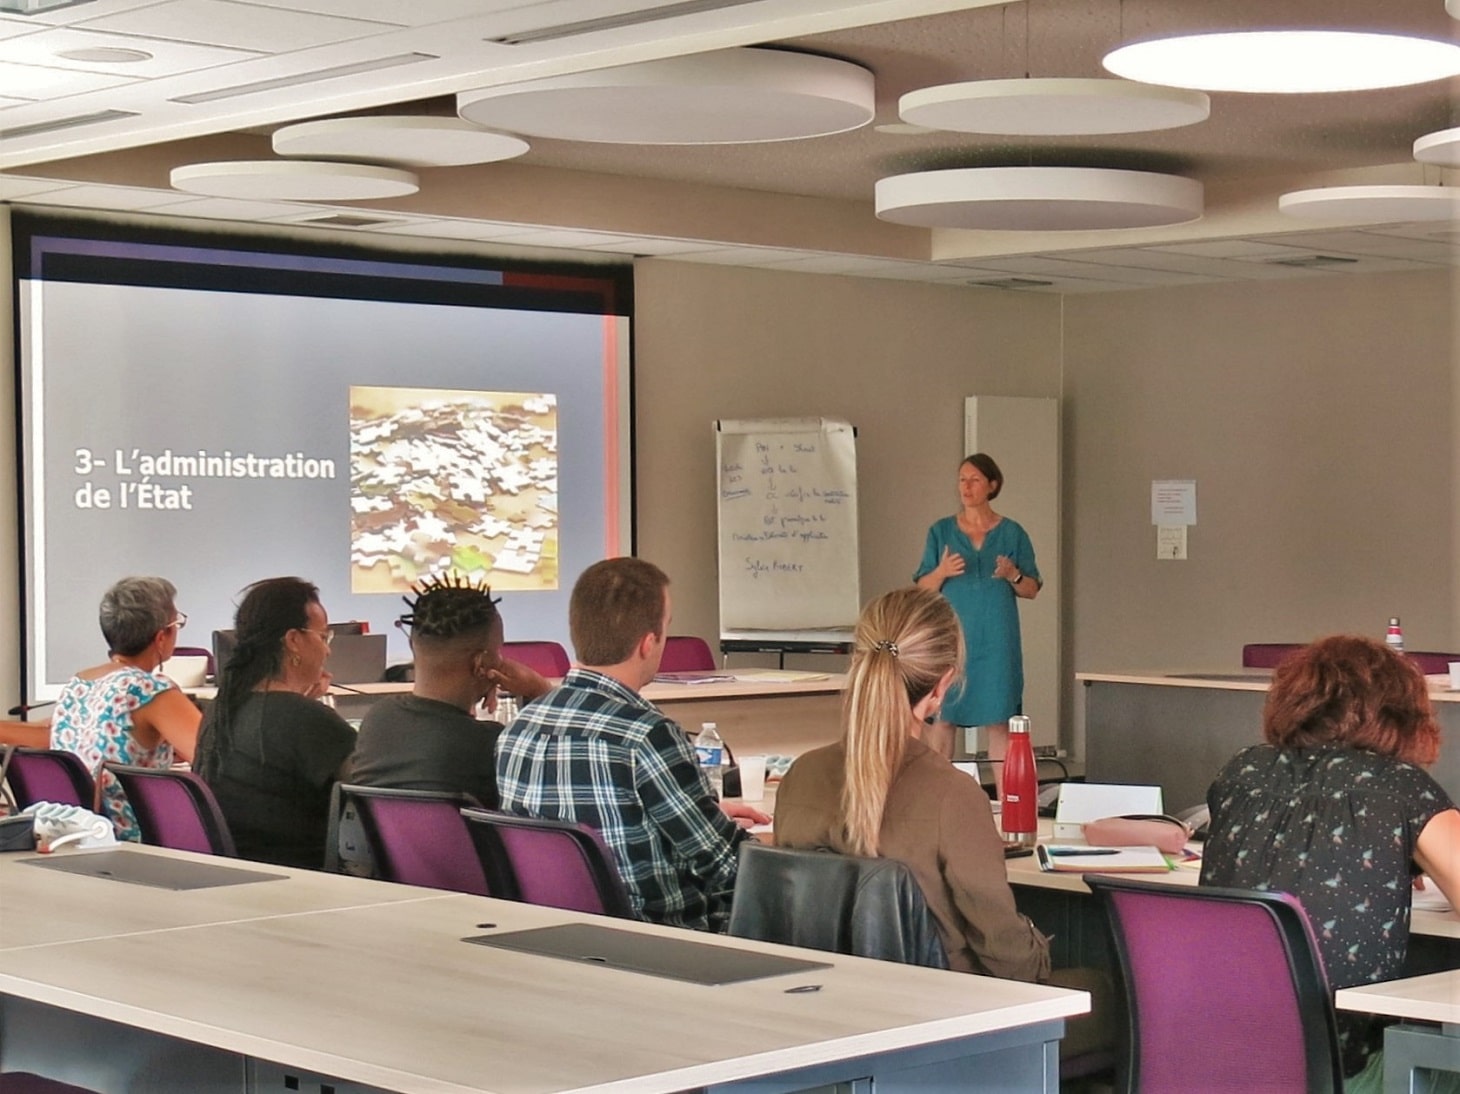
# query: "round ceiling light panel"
[[1286, 61], [401, 140], [1038, 199], [293, 180], [732, 96], [1442, 147], [1373, 204], [1053, 107]]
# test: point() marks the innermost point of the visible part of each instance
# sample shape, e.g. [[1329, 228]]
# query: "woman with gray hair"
[[122, 710]]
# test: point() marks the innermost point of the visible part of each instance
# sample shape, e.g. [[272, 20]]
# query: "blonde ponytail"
[[906, 640]]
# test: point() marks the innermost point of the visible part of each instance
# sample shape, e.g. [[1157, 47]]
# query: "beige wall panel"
[[894, 359], [1317, 419]]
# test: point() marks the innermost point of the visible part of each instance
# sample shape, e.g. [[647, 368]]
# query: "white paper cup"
[[1455, 675], [752, 778]]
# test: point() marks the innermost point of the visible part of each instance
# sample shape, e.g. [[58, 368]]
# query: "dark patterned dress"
[[1336, 828]]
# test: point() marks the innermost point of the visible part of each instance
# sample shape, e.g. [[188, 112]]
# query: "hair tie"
[[884, 646]]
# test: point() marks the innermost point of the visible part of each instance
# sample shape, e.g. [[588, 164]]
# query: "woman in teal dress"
[[982, 563]]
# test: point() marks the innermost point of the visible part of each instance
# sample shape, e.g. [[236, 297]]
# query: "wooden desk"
[[1433, 998], [368, 986], [775, 717], [1177, 730]]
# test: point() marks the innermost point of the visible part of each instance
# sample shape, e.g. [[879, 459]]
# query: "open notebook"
[[1071, 858]]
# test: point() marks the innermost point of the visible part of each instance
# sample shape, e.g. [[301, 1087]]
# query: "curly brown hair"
[[1352, 691]]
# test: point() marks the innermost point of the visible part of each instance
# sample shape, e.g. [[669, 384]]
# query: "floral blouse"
[[1336, 828], [94, 720]]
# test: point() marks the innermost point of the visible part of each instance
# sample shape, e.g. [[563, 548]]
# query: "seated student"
[[881, 791], [431, 739], [594, 751], [1336, 809], [269, 750], [123, 711]]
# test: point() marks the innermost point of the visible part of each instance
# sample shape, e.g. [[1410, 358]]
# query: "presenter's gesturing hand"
[[950, 565]]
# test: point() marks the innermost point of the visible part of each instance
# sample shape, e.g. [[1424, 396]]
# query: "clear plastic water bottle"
[[1394, 635], [1019, 816], [710, 752]]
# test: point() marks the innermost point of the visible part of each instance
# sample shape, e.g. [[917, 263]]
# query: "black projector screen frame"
[[218, 408]]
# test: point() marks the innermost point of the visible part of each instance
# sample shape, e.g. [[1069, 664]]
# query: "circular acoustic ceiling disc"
[[729, 97], [403, 140], [1286, 62], [293, 180], [1053, 107], [1442, 147], [1038, 199], [1373, 204], [1453, 7]]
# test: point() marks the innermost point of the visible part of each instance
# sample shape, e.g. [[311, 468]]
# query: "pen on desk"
[[1069, 852]]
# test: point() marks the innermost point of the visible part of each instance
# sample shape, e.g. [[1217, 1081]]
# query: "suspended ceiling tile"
[[1044, 266], [168, 58], [654, 247], [235, 26], [740, 256], [555, 237], [13, 187], [105, 197], [1223, 248], [228, 209], [43, 83], [414, 13]]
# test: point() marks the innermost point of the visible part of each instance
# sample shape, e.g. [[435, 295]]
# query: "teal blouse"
[[993, 685]]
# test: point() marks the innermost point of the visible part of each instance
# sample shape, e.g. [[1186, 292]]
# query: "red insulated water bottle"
[[1020, 813]]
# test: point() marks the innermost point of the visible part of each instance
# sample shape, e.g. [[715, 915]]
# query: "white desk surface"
[[747, 688], [34, 913], [387, 994], [1026, 871], [1236, 680], [1432, 998]]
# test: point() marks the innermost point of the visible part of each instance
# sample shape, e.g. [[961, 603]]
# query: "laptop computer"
[[355, 658]]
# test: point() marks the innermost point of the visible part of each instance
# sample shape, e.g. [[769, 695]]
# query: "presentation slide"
[[217, 415]]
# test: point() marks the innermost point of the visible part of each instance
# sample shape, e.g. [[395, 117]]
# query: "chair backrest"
[[1268, 655], [557, 864], [547, 658], [417, 837], [174, 809], [1224, 990], [866, 907], [686, 653], [49, 775]]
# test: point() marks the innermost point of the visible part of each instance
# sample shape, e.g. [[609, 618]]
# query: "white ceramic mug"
[[752, 778]]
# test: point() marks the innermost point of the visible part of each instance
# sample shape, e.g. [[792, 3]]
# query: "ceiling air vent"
[[16, 132], [348, 220], [333, 73], [552, 33], [1312, 262], [1012, 283]]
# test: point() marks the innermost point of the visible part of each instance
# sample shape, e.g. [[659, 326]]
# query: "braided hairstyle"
[[447, 609], [269, 610]]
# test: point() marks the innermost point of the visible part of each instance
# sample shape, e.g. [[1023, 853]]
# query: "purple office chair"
[[416, 837], [47, 775], [1433, 664], [556, 864], [1224, 989], [1268, 655], [547, 658], [174, 808], [686, 653]]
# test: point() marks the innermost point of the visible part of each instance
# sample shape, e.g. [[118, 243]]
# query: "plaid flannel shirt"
[[596, 752]]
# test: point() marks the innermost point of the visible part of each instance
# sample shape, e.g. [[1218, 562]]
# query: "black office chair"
[[866, 907]]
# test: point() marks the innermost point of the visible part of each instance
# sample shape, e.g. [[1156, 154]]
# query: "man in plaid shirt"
[[596, 752]]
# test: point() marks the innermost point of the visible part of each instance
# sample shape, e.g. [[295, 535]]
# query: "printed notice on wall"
[[788, 524], [1173, 501]]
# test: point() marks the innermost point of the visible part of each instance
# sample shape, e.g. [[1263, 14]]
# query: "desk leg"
[[1407, 1048]]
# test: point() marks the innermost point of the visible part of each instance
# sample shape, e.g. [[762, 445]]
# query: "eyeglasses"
[[180, 622], [327, 634]]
